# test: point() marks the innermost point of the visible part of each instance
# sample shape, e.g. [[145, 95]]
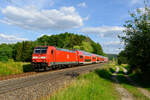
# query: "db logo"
[[67, 56]]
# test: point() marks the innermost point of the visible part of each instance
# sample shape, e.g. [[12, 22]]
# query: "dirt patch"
[[125, 95]]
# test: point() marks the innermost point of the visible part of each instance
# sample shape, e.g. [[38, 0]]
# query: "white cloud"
[[104, 31], [82, 4], [10, 38], [113, 50], [113, 43], [113, 47], [110, 50], [33, 19]]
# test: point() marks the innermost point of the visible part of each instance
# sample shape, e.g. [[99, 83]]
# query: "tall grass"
[[90, 86], [11, 67]]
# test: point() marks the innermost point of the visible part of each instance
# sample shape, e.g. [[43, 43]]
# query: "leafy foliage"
[[5, 52], [137, 40], [122, 59], [22, 51]]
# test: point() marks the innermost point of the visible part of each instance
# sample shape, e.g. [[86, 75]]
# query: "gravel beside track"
[[35, 86]]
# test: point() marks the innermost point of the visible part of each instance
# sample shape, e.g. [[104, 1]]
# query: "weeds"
[[92, 86], [11, 67]]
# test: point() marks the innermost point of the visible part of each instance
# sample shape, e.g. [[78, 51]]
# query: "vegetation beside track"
[[91, 86], [11, 67], [136, 77], [98, 85], [136, 39], [125, 83], [131, 88], [140, 81]]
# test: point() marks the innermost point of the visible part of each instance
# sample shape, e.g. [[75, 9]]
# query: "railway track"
[[54, 78]]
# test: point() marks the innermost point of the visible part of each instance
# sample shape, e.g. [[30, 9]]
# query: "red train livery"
[[48, 57]]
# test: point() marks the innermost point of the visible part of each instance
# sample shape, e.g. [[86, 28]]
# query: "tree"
[[137, 40], [5, 52], [122, 58], [17, 52], [27, 51], [86, 46], [23, 51], [97, 48]]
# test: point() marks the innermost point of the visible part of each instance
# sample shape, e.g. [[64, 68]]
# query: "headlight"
[[34, 57], [43, 57]]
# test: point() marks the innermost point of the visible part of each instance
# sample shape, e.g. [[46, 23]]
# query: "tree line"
[[22, 51]]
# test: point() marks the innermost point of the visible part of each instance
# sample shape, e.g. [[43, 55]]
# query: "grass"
[[139, 79], [91, 86], [132, 89], [112, 69], [11, 67], [127, 85], [98, 85]]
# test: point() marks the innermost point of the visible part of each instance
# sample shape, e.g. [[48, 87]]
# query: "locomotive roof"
[[65, 50]]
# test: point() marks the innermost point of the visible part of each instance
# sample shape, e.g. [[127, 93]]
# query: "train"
[[50, 57]]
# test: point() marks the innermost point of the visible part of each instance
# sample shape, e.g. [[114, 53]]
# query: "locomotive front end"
[[39, 58]]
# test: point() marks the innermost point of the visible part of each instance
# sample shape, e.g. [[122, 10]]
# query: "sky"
[[101, 20]]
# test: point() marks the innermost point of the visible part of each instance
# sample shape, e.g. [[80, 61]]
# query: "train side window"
[[52, 52], [81, 56]]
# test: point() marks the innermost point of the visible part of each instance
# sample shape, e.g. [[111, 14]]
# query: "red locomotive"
[[48, 57]]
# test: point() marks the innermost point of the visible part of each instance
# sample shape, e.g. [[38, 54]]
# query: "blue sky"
[[101, 20]]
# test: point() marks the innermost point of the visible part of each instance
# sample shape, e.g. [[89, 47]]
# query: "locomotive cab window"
[[43, 51], [37, 51], [81, 56], [40, 50], [52, 52]]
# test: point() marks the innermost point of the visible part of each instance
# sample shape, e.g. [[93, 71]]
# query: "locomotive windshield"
[[40, 50]]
